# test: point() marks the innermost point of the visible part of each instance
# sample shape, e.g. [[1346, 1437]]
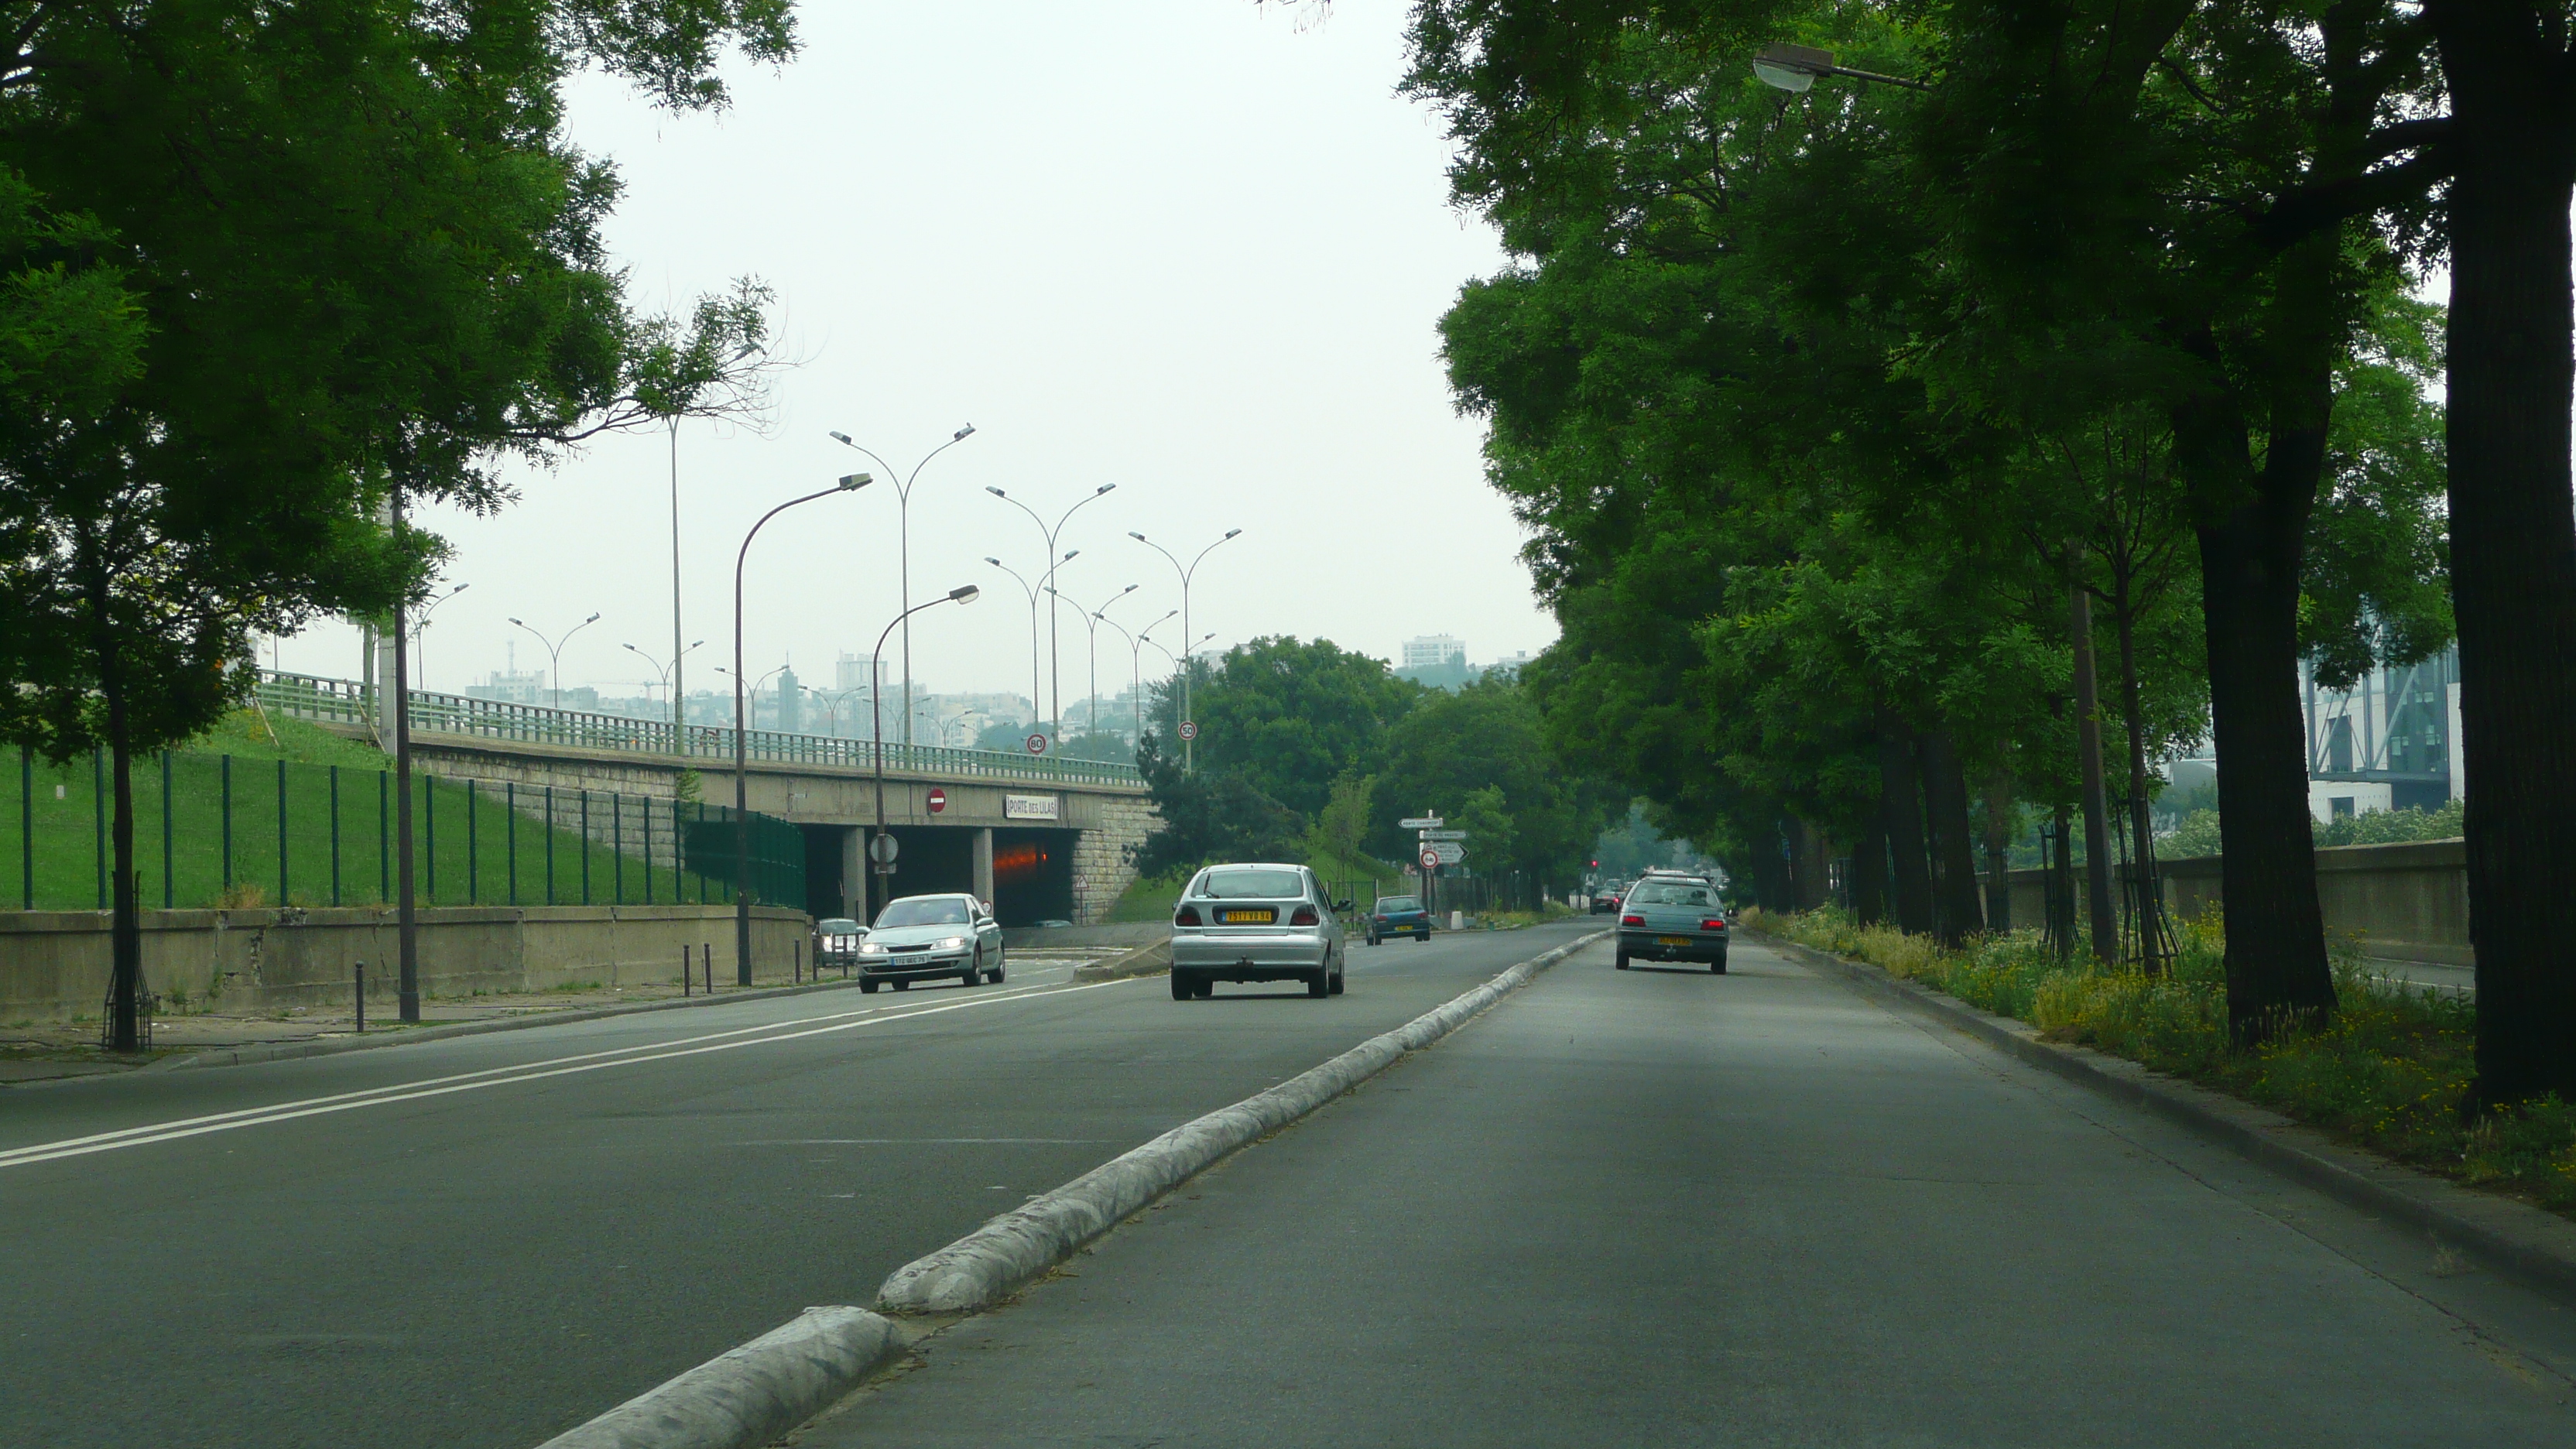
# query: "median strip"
[[748, 1397]]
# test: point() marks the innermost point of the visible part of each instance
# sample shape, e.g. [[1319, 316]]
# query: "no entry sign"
[[938, 799]]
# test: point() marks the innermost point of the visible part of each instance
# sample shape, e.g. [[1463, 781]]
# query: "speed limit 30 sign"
[[1189, 729]]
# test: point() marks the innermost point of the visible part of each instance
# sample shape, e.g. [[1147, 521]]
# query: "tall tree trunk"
[[1869, 873], [2252, 539], [2105, 926], [2513, 548], [125, 919], [1806, 865], [2061, 882], [1956, 912], [1771, 885], [2142, 839], [1901, 812], [1999, 850]]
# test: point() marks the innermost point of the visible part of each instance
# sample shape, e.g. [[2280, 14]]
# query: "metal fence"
[[225, 830], [341, 701]]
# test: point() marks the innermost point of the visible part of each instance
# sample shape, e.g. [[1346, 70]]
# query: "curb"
[[749, 1395], [333, 1046], [998, 1258], [2513, 1239], [1151, 960]]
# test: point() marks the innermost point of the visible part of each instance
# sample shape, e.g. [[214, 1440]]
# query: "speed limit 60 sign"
[[1037, 744]]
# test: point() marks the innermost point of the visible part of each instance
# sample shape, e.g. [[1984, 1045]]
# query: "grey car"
[[926, 938], [1256, 922], [836, 943], [1673, 918]]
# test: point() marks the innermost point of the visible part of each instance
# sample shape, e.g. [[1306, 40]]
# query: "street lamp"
[[1055, 670], [1091, 627], [847, 483], [1034, 694], [554, 650], [881, 857], [903, 544], [420, 650], [1136, 643], [1793, 68], [831, 705], [1188, 754], [664, 670]]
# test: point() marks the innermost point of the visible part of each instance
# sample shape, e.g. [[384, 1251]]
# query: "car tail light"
[[1186, 916], [1632, 920], [1713, 923], [1305, 917]]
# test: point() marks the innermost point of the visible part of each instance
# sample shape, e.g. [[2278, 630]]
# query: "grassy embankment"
[[66, 831], [2389, 1073]]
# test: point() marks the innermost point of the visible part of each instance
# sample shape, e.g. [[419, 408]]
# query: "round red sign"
[[938, 799], [1037, 744]]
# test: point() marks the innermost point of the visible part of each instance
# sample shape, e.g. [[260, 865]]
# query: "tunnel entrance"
[[1032, 876], [824, 882]]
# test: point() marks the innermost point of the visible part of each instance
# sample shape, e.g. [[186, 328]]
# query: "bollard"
[[800, 963], [685, 977], [707, 961], [362, 998]]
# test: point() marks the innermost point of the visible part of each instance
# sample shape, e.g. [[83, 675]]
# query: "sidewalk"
[[1667, 1207]]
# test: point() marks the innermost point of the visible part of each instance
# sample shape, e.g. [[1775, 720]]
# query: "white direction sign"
[[1421, 822], [1444, 835], [1450, 851]]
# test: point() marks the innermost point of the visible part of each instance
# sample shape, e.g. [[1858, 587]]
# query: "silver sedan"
[[1256, 922]]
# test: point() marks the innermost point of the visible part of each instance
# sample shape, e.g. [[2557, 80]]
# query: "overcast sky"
[[1188, 247]]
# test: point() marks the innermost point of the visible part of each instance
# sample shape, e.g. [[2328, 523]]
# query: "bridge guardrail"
[[343, 701]]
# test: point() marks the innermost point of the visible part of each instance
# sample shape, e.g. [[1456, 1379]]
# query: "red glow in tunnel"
[[1018, 862]]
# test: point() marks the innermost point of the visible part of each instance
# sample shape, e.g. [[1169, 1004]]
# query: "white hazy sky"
[[1188, 247]]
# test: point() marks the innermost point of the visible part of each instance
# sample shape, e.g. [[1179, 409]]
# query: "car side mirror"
[[1343, 906]]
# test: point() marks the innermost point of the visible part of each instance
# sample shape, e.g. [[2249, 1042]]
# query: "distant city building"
[[1434, 651], [2387, 743], [786, 705], [511, 687]]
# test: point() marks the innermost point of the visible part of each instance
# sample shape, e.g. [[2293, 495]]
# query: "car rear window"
[[1398, 903], [1251, 885], [837, 926], [1672, 895], [923, 911]]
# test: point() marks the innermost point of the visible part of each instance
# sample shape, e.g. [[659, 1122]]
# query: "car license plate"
[[1672, 940], [1247, 918]]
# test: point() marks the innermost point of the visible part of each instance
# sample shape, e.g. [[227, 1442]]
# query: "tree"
[[366, 263], [1209, 816], [1289, 717]]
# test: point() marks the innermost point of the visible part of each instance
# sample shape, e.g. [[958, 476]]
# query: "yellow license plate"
[[1672, 940], [1247, 918]]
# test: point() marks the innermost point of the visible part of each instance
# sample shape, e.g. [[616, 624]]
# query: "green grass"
[[2389, 1072], [476, 835]]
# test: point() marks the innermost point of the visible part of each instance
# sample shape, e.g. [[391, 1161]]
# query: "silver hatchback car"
[[1256, 922]]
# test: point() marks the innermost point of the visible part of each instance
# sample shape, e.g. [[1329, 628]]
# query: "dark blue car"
[[1398, 916]]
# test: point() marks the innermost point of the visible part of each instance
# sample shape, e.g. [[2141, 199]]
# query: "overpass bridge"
[[1041, 837]]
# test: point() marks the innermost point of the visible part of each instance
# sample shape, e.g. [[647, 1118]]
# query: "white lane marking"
[[492, 1077], [5, 1154], [918, 1141]]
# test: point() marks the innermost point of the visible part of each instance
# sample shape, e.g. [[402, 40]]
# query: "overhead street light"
[[1794, 68], [1055, 667], [554, 649], [903, 543], [962, 594], [846, 483], [1189, 755], [420, 651]]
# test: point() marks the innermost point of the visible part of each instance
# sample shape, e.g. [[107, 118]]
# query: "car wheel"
[[1372, 940], [1623, 960], [1181, 987], [867, 987], [970, 976], [1718, 966], [1319, 985], [1339, 977], [899, 984], [1204, 987], [1424, 938], [995, 975]]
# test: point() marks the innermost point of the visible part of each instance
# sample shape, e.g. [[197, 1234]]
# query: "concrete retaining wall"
[[54, 964], [2404, 902]]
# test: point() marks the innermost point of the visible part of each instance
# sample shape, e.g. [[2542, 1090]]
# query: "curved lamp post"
[[1136, 643], [962, 594], [1188, 755], [903, 543], [664, 670], [1091, 628], [1055, 671], [849, 483], [420, 643], [554, 650], [1031, 590]]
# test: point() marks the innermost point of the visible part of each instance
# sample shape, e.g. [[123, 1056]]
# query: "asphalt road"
[[1662, 1207], [487, 1240]]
